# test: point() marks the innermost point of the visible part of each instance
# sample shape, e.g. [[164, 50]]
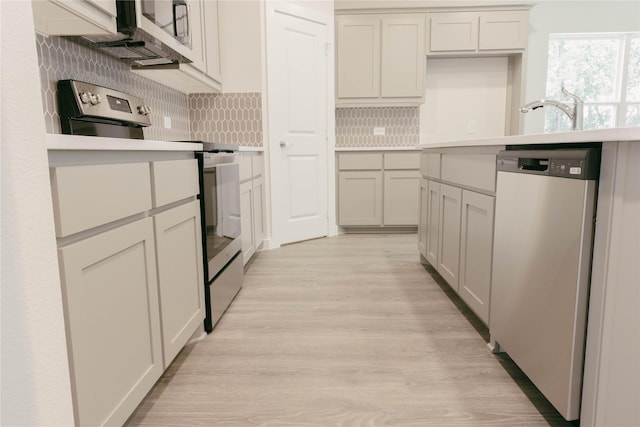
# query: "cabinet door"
[[212, 39], [449, 238], [476, 247], [422, 224], [258, 212], [401, 190], [70, 18], [180, 275], [360, 198], [246, 214], [453, 32], [111, 308], [358, 56], [403, 56], [433, 223], [506, 30]]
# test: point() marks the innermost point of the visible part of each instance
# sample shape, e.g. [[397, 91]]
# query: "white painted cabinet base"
[[476, 247], [111, 296], [180, 276]]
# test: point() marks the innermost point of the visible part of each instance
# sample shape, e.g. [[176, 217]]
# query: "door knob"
[[284, 144]]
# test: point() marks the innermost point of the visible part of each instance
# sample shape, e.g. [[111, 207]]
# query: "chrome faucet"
[[574, 112]]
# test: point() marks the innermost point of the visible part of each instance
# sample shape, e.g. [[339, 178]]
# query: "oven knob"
[[94, 99], [144, 110], [84, 97]]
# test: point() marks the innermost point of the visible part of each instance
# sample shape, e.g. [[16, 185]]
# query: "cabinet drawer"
[[174, 180], [360, 161], [409, 160], [472, 170], [91, 195]]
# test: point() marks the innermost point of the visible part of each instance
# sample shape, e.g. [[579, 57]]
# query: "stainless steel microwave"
[[150, 32]]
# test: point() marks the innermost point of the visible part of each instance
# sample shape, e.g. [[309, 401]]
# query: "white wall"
[[240, 45], [35, 374], [568, 17], [462, 93]]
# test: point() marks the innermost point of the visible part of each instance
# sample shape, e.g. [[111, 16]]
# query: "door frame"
[[321, 12]]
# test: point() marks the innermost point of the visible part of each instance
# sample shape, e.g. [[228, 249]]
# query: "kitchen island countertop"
[[598, 135]]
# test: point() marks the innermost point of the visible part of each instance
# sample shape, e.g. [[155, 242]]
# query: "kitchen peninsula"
[[611, 384]]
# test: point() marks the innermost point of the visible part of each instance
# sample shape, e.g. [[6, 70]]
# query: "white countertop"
[[95, 143], [395, 148], [599, 135]]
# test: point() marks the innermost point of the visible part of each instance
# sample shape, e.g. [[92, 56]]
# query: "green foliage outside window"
[[602, 69]]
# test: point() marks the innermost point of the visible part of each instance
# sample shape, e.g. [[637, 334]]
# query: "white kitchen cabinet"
[[476, 247], [358, 56], [203, 74], [212, 40], [453, 31], [380, 59], [110, 292], [360, 198], [449, 234], [400, 204], [457, 223], [74, 18], [246, 213], [130, 255], [433, 223], [180, 275], [473, 32], [378, 189], [504, 30], [423, 213], [251, 203]]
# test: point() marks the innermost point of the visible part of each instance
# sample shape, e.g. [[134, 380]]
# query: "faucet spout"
[[574, 112]]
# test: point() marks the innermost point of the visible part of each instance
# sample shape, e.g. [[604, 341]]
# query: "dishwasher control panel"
[[583, 163]]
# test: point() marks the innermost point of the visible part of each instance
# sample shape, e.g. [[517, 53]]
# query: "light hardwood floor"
[[344, 331]]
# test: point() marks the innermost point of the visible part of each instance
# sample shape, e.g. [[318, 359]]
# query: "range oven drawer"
[[223, 289]]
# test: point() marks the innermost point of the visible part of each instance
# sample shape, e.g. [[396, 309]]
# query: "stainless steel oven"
[[220, 211]]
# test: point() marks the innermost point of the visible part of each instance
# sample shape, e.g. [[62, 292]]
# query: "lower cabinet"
[[180, 276], [246, 214], [449, 234], [455, 236], [360, 198], [111, 293], [476, 246], [130, 256], [378, 189], [251, 204]]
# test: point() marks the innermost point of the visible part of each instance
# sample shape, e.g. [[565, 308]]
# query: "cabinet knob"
[[284, 144]]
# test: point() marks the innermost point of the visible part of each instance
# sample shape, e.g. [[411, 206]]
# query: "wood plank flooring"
[[344, 331]]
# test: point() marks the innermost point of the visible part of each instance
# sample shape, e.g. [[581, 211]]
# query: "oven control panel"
[[79, 100]]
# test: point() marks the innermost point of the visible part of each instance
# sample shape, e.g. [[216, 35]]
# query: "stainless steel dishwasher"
[[545, 210]]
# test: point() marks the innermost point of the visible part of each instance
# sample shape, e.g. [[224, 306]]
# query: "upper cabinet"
[[98, 17], [202, 75], [476, 32], [380, 59], [74, 18]]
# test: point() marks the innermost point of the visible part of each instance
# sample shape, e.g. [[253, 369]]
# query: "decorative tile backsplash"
[[232, 118], [60, 58], [354, 126]]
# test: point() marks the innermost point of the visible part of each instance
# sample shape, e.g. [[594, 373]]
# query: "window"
[[604, 70]]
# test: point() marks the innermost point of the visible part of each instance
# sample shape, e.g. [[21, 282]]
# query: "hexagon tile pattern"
[[60, 58], [354, 126], [232, 118]]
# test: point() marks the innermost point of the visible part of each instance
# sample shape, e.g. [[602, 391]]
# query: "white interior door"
[[297, 83]]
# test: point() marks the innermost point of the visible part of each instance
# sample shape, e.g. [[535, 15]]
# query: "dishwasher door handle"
[[532, 164]]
